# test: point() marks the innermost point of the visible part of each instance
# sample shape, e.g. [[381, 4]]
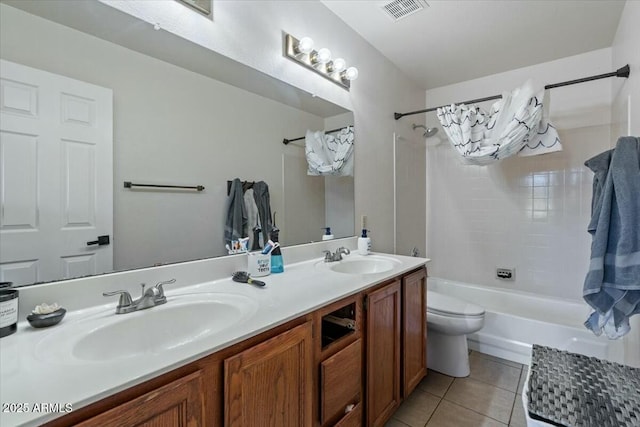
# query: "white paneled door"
[[56, 173]]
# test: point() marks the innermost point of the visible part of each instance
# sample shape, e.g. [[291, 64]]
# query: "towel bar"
[[129, 184]]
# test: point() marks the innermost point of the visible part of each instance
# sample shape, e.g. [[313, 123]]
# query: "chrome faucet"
[[150, 298], [337, 256]]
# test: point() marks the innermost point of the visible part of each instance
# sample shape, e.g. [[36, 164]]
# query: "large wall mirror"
[[170, 125]]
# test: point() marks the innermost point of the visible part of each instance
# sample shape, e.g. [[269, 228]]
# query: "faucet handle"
[[343, 250], [327, 255], [161, 289], [125, 297]]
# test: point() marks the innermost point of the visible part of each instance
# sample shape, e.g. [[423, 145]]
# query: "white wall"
[[410, 174], [626, 92], [304, 203], [530, 213]]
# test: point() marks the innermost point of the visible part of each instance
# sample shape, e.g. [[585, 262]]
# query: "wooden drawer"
[[352, 419], [340, 381]]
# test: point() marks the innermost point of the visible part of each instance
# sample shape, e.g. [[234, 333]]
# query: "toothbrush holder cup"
[[258, 264]]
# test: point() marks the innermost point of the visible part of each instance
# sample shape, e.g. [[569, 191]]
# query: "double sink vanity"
[[324, 343]]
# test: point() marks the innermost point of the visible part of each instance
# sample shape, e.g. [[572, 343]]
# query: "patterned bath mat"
[[568, 389]]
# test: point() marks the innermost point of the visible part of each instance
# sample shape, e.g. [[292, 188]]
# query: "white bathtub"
[[516, 320]]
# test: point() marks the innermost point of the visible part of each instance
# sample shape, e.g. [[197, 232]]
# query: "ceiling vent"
[[398, 9]]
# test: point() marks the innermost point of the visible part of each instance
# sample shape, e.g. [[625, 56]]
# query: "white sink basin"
[[183, 320], [371, 264]]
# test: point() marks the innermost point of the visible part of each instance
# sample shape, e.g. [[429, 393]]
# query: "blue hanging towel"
[[612, 285]]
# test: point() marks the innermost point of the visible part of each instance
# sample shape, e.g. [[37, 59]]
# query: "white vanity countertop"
[[28, 378]]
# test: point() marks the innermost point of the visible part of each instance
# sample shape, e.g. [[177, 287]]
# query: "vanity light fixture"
[[302, 52]]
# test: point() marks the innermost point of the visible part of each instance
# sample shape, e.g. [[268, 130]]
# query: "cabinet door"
[[176, 404], [414, 330], [383, 353], [270, 384]]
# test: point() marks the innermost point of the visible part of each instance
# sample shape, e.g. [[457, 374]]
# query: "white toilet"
[[449, 320]]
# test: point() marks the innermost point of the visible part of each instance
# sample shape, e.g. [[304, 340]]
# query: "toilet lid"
[[447, 305]]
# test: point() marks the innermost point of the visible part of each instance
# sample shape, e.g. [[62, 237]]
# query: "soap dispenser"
[[277, 266], [327, 233], [364, 243]]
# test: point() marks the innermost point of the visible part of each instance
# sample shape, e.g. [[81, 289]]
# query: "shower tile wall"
[[527, 213]]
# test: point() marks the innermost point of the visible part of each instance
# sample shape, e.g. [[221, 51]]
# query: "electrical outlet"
[[506, 273]]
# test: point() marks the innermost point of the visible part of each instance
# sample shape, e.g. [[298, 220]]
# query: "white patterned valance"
[[516, 124], [330, 154]]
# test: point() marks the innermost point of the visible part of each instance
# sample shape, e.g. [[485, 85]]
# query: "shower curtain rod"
[[621, 72], [286, 141]]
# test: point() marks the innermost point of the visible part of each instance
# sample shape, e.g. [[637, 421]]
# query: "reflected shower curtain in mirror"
[[516, 124], [330, 154]]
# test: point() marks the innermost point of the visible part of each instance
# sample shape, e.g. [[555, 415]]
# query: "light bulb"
[[350, 73], [338, 65], [305, 45], [323, 56]]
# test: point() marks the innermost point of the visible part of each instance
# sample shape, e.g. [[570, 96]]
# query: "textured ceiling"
[[453, 41]]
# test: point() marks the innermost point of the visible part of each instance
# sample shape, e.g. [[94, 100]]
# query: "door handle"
[[102, 240]]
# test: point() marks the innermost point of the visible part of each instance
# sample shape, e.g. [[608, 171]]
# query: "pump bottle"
[[277, 266], [327, 233], [364, 243]]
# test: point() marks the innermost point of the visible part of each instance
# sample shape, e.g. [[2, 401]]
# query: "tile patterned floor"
[[489, 397]]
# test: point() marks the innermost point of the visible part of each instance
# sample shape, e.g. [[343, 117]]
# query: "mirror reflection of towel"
[[263, 201], [236, 224], [253, 217]]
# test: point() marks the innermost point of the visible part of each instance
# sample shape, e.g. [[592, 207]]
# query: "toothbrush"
[[275, 245], [268, 248]]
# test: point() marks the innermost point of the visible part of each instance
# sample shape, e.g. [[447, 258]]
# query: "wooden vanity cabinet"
[[159, 402], [395, 334], [414, 330], [306, 372], [270, 384], [383, 332]]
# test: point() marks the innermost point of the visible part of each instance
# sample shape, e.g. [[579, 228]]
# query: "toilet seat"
[[452, 307], [454, 315]]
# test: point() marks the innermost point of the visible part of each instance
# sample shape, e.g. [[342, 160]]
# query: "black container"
[[8, 309]]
